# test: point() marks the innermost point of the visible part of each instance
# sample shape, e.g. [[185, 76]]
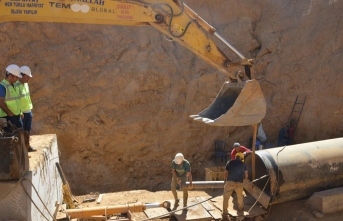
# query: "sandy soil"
[[289, 211]]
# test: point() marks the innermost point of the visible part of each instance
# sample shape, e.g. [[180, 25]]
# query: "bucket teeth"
[[209, 121], [206, 120], [236, 104], [193, 116]]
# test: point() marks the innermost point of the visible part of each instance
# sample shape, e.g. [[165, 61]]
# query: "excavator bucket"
[[237, 104]]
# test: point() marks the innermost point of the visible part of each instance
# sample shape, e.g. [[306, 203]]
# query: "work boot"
[[240, 218], [225, 217], [184, 206], [176, 204], [31, 149]]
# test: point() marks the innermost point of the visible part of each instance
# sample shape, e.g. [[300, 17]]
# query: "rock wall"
[[301, 53], [119, 98]]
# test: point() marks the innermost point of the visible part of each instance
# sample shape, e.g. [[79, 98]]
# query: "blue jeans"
[[15, 120], [27, 122]]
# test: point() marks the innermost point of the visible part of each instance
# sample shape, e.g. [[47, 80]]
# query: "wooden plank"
[[215, 213], [99, 198], [255, 192], [127, 219], [196, 212], [98, 218], [153, 212], [205, 203], [61, 214], [233, 207], [57, 206]]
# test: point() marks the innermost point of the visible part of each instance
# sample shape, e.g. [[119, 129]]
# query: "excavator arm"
[[177, 21]]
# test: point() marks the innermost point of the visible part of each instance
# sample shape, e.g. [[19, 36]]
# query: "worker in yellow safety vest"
[[10, 107], [22, 87]]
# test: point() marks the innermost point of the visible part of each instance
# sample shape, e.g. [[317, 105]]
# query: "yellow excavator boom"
[[171, 17]]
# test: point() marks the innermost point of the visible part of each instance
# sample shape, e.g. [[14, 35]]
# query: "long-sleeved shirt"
[[242, 149]]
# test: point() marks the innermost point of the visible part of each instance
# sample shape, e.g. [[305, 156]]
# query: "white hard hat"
[[236, 145], [14, 69], [179, 158], [26, 70]]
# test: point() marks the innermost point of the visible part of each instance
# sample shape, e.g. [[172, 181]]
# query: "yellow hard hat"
[[241, 155]]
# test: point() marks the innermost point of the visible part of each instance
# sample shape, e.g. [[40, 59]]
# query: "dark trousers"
[[27, 122], [15, 120]]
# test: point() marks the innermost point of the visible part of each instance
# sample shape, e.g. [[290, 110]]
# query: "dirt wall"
[[119, 98]]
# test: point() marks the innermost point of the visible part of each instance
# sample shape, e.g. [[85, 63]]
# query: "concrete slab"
[[196, 212], [17, 196], [211, 209], [328, 201], [250, 210], [154, 212]]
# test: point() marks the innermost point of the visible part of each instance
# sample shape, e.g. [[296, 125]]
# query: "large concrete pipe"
[[298, 171]]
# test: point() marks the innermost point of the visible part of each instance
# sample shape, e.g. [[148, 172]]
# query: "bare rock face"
[[119, 98], [301, 50]]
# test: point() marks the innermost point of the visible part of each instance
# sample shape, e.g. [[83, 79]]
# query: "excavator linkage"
[[236, 104]]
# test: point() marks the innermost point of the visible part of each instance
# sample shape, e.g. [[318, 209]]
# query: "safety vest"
[[11, 99], [24, 95]]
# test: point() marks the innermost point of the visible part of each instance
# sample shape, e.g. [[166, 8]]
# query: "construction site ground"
[[289, 211]]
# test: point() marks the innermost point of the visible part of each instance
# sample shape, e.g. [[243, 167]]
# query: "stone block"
[[328, 201], [41, 185]]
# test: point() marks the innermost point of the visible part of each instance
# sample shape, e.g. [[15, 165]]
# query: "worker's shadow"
[[239, 213], [184, 212], [172, 218], [235, 209], [174, 208], [182, 215]]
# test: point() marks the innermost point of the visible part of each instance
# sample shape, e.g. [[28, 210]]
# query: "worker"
[[238, 148], [181, 170], [234, 175], [291, 130], [9, 98], [25, 100]]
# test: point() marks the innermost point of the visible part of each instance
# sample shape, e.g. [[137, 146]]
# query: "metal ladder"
[[295, 114]]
